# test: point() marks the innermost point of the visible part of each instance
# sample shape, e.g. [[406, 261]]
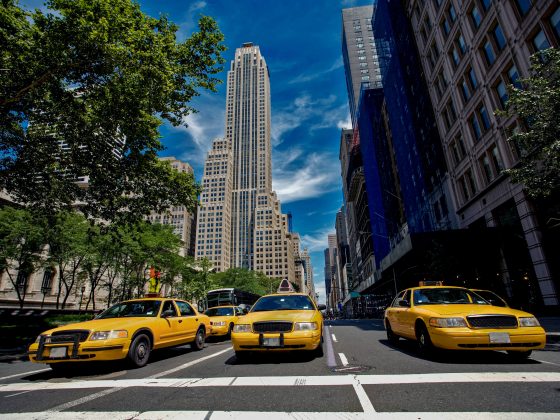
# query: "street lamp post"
[[81, 299]]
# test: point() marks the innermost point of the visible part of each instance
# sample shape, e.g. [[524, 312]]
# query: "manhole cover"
[[350, 369]]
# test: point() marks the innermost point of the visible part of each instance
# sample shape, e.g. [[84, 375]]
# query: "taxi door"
[[393, 313], [408, 317], [189, 319], [401, 314], [171, 331]]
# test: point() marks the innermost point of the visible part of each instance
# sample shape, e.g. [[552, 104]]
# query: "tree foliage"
[[99, 77], [537, 104], [247, 280]]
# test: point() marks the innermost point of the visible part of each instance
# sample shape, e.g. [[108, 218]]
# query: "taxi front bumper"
[[219, 329], [522, 338], [75, 351], [295, 340]]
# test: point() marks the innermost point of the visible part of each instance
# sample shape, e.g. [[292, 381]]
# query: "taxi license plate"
[[271, 341], [57, 352], [499, 338]]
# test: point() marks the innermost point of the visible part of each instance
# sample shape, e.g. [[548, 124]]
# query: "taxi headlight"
[[241, 328], [107, 335], [218, 323], [447, 322], [305, 326], [529, 321]]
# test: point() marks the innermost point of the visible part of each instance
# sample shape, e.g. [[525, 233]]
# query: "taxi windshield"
[[283, 303], [133, 308], [219, 312], [445, 296]]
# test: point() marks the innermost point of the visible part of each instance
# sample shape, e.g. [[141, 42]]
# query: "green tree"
[[21, 243], [68, 240], [247, 280], [99, 76], [537, 105]]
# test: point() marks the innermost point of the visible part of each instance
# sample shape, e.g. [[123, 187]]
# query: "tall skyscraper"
[[359, 53], [248, 212]]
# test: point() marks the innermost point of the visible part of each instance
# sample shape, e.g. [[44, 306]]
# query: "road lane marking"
[[19, 393], [343, 359], [23, 374], [367, 406], [330, 380], [276, 415], [544, 361], [110, 390], [334, 338]]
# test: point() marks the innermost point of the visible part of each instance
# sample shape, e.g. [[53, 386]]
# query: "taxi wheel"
[[139, 352], [319, 350], [425, 346], [519, 355], [391, 336], [198, 343]]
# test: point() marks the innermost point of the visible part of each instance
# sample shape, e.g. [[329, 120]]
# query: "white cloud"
[[320, 288], [317, 175], [187, 26], [203, 127], [306, 77], [317, 241], [346, 123], [305, 108]]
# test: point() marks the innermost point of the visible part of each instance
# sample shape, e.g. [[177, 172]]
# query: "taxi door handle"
[[196, 319], [180, 321]]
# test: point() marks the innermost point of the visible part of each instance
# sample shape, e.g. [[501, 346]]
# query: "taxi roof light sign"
[[285, 287]]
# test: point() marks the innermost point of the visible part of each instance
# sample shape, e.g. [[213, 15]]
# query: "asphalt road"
[[360, 376]]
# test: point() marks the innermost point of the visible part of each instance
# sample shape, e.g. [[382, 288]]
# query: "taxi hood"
[[104, 324], [293, 316], [469, 309]]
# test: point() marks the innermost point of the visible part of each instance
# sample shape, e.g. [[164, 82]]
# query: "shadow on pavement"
[[274, 358], [363, 324], [466, 357]]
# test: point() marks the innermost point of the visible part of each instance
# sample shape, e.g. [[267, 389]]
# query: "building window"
[[457, 147], [483, 114], [540, 41], [486, 4], [501, 92], [21, 280], [513, 76], [489, 53], [499, 38], [452, 13], [445, 27], [472, 78], [46, 285], [555, 23], [523, 6], [476, 17]]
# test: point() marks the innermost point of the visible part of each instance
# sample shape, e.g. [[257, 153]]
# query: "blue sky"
[[301, 42]]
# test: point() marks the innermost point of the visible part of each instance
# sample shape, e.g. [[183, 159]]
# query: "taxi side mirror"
[[404, 302], [321, 307]]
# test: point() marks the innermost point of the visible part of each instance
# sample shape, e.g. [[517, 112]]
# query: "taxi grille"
[[272, 326], [68, 336], [492, 321]]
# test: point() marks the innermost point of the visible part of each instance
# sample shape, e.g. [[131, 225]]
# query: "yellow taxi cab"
[[223, 318], [128, 330], [455, 318], [280, 322]]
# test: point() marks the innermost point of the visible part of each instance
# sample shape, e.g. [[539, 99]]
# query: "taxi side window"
[[168, 307], [407, 296], [185, 308], [399, 296]]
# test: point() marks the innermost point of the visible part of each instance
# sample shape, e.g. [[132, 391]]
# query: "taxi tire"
[[519, 355], [318, 352], [391, 336], [139, 351], [199, 338], [424, 343]]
